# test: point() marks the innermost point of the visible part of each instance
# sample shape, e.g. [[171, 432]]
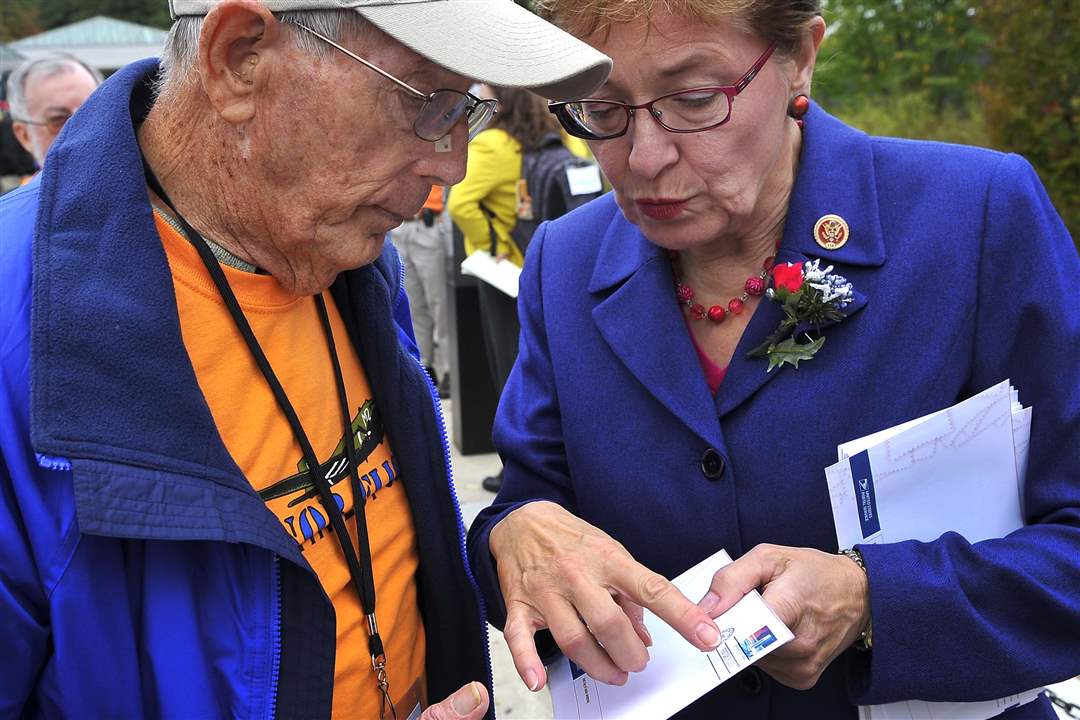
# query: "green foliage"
[[18, 18], [790, 352], [54, 13], [1031, 92], [912, 115], [893, 48]]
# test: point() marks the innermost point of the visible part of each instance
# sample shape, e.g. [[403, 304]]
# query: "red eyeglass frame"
[[573, 127]]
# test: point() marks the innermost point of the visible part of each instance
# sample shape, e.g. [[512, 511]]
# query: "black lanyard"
[[359, 568]]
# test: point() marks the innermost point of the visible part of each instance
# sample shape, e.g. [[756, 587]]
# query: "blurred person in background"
[[484, 207], [421, 243], [43, 94]]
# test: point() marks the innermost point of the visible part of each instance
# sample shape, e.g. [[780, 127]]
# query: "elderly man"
[[43, 94], [224, 481]]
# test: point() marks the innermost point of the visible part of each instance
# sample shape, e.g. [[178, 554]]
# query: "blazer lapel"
[[642, 324], [836, 176]]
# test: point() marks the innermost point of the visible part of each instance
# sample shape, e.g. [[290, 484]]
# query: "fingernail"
[[466, 700], [647, 634], [709, 602], [708, 635], [531, 680]]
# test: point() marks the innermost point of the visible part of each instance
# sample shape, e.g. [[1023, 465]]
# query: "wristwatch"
[[865, 641]]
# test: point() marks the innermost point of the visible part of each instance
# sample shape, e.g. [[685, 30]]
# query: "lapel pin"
[[831, 232]]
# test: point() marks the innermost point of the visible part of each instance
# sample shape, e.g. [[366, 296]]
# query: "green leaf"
[[791, 352], [781, 332]]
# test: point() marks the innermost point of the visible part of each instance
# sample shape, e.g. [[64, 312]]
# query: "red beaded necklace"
[[753, 287]]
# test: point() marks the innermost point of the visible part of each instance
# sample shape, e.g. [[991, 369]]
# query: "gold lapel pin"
[[831, 232]]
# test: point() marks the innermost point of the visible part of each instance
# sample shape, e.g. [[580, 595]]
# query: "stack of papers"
[[962, 470], [677, 673]]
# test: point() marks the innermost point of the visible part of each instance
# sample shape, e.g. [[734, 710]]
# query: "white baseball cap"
[[493, 41]]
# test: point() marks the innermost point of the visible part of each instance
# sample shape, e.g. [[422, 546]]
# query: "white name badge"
[[584, 180]]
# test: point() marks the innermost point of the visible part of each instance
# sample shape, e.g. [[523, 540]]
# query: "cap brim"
[[496, 42]]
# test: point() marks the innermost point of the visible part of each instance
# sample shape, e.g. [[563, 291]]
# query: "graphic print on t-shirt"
[[295, 500]]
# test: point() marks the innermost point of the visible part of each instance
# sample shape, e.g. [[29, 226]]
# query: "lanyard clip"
[[378, 664]]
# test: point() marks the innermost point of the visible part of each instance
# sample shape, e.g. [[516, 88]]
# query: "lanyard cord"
[[361, 574]]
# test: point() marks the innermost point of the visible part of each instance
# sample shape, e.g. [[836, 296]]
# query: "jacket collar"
[[836, 176]]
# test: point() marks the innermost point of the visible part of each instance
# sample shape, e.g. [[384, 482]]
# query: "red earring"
[[798, 107]]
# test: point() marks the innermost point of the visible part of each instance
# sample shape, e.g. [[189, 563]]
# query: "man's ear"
[[806, 55], [22, 133], [238, 41]]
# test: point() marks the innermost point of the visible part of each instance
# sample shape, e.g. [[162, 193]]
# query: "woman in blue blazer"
[[640, 436]]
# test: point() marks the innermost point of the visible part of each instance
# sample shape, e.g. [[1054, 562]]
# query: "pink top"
[[714, 374]]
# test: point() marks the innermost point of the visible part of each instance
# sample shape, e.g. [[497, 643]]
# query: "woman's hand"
[[823, 598], [561, 573]]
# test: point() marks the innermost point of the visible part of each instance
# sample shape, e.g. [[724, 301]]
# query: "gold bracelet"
[[865, 640]]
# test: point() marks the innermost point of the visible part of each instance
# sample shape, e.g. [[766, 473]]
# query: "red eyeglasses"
[[686, 111]]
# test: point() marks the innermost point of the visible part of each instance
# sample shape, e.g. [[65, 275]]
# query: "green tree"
[[1031, 92], [54, 13], [891, 48], [18, 18]]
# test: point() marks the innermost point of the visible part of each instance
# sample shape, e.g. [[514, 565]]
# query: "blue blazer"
[[965, 276]]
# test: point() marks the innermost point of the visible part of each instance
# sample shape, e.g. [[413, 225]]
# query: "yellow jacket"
[[491, 179]]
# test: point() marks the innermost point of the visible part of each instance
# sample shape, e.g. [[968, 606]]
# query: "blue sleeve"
[[528, 433], [23, 606], [951, 618], [24, 615]]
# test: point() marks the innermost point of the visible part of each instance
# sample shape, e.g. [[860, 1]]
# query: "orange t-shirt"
[[261, 442]]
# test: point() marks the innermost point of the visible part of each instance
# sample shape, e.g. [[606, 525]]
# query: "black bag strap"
[[489, 215]]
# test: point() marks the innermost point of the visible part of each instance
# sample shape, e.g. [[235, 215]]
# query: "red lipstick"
[[661, 209]]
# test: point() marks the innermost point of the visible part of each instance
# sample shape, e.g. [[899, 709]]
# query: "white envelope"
[[678, 673]]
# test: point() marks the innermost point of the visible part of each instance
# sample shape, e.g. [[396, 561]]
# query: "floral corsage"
[[811, 296]]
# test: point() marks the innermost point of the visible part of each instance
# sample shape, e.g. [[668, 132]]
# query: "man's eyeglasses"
[[686, 111], [441, 110], [55, 123]]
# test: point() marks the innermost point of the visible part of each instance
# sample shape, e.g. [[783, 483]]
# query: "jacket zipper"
[[441, 423], [461, 524], [275, 652]]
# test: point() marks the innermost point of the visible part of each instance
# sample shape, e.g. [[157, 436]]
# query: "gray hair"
[[180, 55], [42, 67]]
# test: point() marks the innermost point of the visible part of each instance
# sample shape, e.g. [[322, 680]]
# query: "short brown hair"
[[779, 21]]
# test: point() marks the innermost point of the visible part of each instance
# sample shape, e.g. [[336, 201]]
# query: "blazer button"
[[712, 465], [750, 681]]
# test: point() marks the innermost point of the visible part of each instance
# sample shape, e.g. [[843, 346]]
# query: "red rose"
[[787, 276]]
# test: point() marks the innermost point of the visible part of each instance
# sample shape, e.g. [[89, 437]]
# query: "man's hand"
[[561, 573], [468, 703], [823, 598]]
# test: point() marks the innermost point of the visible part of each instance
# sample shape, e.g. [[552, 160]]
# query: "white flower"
[[833, 287]]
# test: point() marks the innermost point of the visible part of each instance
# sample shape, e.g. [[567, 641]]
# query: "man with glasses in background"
[[224, 480], [43, 94]]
